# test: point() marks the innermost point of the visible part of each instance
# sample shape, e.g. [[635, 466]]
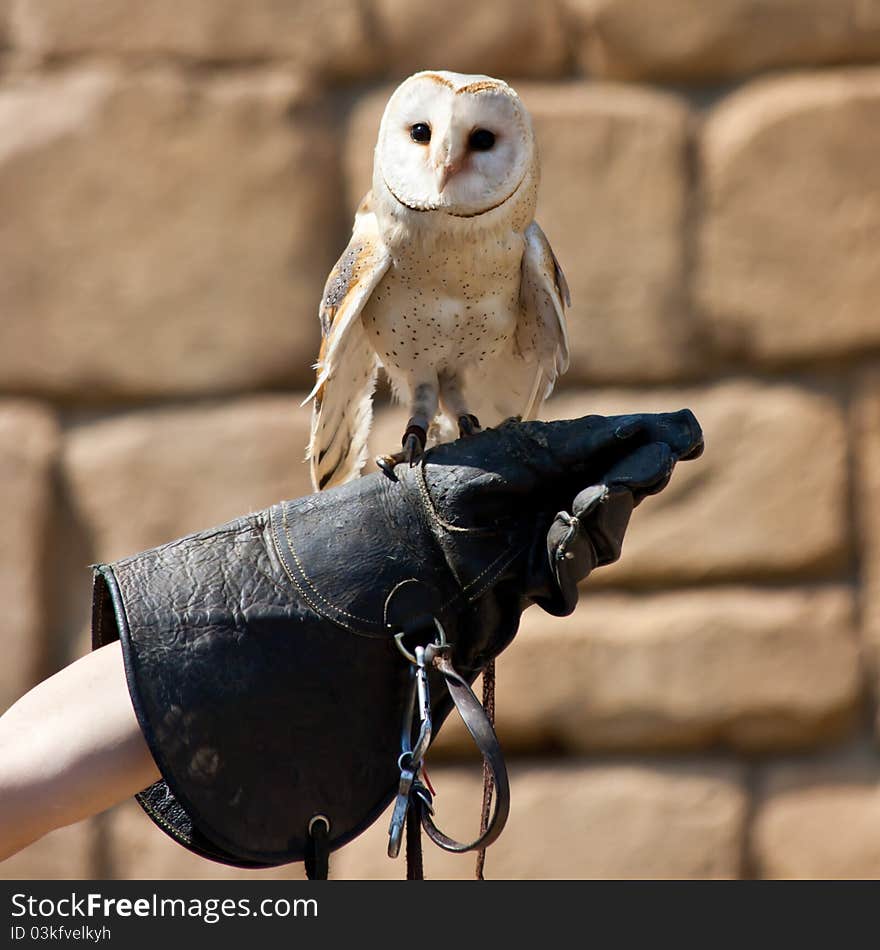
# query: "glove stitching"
[[437, 517], [288, 570], [517, 552], [305, 577]]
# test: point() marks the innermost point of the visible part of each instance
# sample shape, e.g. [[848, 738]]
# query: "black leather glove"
[[260, 655], [562, 491], [592, 534]]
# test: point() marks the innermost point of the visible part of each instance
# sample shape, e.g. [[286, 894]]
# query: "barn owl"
[[448, 282]]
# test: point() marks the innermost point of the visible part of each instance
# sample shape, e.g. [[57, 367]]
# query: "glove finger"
[[644, 472], [576, 546], [578, 444], [680, 431], [606, 525], [572, 557], [586, 500], [593, 534]]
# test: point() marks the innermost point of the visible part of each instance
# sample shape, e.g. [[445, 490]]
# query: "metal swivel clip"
[[412, 756]]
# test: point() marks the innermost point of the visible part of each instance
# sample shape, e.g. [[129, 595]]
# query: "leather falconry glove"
[[261, 655]]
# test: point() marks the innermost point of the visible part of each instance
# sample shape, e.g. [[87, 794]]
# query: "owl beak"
[[443, 173]]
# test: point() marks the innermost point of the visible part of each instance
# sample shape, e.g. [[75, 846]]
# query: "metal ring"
[[398, 641], [315, 818]]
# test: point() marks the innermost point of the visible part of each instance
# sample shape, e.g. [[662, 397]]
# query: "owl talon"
[[468, 424], [387, 463], [414, 440], [412, 451]]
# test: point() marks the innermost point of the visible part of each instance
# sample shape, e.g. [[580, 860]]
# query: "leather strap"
[[317, 856], [474, 717], [415, 868], [488, 784]]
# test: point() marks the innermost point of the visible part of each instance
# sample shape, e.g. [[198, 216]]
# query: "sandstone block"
[[866, 440], [497, 37], [819, 819], [741, 667], [28, 447], [138, 850], [140, 479], [787, 265], [613, 204], [330, 37], [577, 821], [65, 854], [161, 236], [766, 500], [690, 41]]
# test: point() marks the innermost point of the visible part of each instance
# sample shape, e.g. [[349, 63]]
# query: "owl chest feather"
[[446, 306]]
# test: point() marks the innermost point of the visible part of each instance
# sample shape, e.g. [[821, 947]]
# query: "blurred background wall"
[[176, 179]]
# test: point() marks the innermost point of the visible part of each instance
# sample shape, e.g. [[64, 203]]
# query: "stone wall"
[[175, 182]]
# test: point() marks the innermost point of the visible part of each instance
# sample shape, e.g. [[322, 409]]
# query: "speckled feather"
[[453, 290]]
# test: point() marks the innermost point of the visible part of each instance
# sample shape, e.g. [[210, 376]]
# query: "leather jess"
[[260, 654]]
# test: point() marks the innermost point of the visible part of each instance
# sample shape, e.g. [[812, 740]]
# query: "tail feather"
[[341, 418]]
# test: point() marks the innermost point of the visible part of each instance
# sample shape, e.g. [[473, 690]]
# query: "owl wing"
[[347, 364], [519, 380], [541, 333]]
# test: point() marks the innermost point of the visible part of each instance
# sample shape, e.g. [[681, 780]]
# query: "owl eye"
[[481, 140], [421, 133]]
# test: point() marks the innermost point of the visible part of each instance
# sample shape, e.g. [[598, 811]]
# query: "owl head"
[[456, 144]]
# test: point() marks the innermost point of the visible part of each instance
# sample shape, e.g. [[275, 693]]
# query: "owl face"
[[455, 144]]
